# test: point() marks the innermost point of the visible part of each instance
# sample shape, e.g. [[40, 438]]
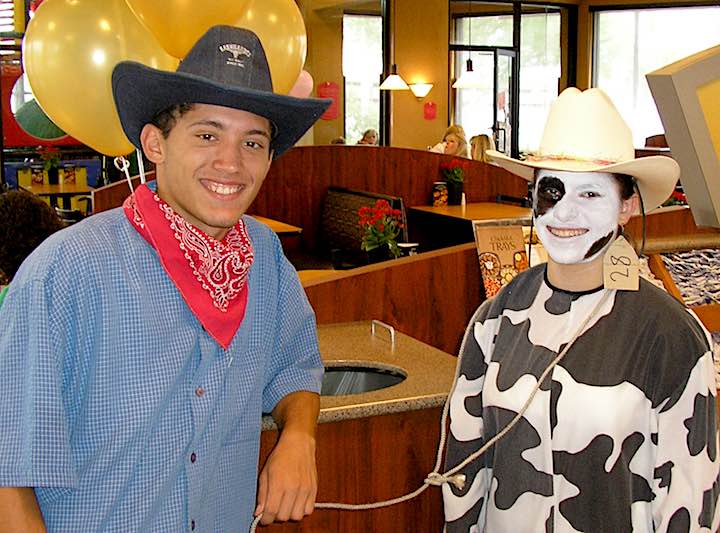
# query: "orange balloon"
[[281, 29], [178, 24], [69, 52]]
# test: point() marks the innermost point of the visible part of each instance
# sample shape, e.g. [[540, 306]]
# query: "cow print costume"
[[621, 437]]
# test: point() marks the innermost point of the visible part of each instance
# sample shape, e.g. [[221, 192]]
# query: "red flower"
[[382, 226]]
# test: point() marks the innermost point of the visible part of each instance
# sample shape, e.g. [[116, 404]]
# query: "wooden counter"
[[478, 211], [381, 444], [429, 372], [430, 296], [440, 227]]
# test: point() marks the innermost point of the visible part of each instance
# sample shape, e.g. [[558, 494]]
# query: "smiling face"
[[211, 165], [577, 213]]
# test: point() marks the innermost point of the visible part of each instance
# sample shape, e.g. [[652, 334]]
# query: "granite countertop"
[[429, 372]]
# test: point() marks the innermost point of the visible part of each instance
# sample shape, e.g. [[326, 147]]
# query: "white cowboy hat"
[[585, 133]]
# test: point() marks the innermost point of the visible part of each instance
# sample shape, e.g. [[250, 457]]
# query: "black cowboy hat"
[[226, 67]]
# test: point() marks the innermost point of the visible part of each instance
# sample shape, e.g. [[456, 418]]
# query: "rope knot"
[[121, 163], [437, 479]]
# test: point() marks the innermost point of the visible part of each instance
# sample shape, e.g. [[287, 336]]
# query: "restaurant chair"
[[87, 200], [69, 216]]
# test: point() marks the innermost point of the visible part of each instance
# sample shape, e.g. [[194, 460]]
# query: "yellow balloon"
[[178, 24], [69, 52], [281, 29]]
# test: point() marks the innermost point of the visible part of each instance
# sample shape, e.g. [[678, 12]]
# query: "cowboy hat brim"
[[141, 92], [656, 175]]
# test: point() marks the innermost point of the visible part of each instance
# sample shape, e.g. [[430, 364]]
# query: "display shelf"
[[709, 314], [657, 267]]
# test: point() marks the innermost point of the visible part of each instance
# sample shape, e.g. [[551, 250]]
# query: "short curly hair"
[[25, 222]]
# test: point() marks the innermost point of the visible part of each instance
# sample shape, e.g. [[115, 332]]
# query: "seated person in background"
[[479, 144], [338, 140], [453, 143], [25, 222], [369, 137]]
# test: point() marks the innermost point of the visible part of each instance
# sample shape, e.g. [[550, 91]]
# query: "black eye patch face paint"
[[550, 190], [600, 244]]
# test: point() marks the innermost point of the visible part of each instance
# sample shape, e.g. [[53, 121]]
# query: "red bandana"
[[211, 275]]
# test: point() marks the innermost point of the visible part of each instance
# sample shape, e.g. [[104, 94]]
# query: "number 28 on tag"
[[620, 266]]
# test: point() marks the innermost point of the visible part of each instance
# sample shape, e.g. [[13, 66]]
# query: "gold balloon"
[[281, 29], [69, 52], [178, 24]]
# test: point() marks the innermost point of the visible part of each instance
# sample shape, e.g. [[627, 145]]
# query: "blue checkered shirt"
[[118, 407]]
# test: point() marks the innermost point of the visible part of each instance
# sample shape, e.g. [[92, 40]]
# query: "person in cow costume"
[[621, 435]]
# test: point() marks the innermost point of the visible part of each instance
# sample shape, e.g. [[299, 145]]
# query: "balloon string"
[[141, 165], [123, 165]]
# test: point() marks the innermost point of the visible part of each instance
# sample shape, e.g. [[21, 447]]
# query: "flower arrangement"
[[676, 198], [381, 224], [453, 171], [50, 156]]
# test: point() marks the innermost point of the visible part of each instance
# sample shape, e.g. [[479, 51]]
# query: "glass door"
[[474, 103], [484, 104], [504, 87]]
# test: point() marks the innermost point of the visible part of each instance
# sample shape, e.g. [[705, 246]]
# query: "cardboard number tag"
[[620, 266]]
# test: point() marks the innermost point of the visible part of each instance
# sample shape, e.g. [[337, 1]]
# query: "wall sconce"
[[421, 90]]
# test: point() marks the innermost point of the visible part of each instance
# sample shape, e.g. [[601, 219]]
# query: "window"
[[21, 93], [630, 43], [539, 74], [539, 70], [362, 59]]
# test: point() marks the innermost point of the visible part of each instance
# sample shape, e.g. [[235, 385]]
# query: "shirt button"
[[192, 525], [193, 457], [199, 392]]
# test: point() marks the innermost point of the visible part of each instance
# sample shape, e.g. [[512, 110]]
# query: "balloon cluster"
[[71, 47]]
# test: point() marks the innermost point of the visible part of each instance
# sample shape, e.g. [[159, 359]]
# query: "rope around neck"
[[435, 478]]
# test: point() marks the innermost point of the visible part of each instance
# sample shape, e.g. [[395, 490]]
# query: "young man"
[[142, 345]]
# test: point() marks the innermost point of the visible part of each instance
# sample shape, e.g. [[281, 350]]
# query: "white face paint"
[[576, 213]]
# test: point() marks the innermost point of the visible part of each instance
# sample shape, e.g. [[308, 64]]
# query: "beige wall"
[[421, 53], [324, 61]]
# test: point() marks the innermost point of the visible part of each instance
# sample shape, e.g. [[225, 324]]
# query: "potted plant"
[[454, 174], [381, 226], [676, 198], [51, 161]]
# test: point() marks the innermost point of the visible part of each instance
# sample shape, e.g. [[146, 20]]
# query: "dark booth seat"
[[340, 235]]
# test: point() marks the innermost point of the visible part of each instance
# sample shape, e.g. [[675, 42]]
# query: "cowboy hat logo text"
[[239, 54]]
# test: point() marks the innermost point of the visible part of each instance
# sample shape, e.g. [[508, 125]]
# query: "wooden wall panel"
[[372, 459], [295, 187], [114, 194], [296, 184], [430, 296], [670, 221]]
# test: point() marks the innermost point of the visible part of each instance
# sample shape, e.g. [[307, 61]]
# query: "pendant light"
[[469, 79], [394, 81]]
